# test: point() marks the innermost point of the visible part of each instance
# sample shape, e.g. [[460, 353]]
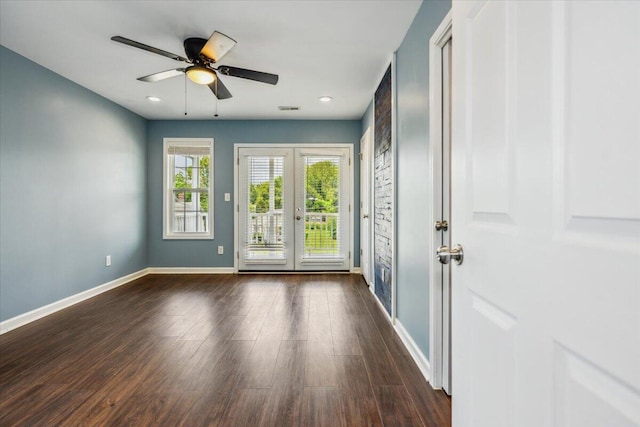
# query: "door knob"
[[298, 217], [444, 254], [441, 225]]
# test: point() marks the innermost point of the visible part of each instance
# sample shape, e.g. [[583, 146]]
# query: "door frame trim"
[[236, 189], [437, 41]]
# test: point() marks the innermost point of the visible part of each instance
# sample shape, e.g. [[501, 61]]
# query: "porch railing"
[[266, 229], [190, 222]]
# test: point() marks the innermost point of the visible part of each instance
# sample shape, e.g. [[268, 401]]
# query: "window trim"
[[167, 233]]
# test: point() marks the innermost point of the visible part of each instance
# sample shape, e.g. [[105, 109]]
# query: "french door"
[[293, 208]]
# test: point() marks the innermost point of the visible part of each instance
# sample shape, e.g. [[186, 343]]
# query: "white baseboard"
[[409, 343], [384, 310], [38, 313], [190, 270], [416, 354], [356, 270]]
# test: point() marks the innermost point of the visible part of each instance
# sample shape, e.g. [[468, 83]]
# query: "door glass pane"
[[265, 232], [322, 207]]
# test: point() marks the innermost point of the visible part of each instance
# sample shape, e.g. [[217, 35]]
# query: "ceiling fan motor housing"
[[192, 47]]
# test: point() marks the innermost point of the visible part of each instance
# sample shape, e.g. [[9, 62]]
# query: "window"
[[188, 188]]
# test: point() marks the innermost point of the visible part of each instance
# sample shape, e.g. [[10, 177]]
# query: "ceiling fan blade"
[[148, 48], [156, 77], [219, 89], [243, 73], [217, 46], [192, 47]]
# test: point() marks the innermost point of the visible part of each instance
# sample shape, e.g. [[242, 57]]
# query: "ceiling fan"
[[202, 54]]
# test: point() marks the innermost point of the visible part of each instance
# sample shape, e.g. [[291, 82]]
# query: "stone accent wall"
[[383, 192]]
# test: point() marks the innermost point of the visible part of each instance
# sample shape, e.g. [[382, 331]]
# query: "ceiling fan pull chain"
[[216, 85], [185, 94]]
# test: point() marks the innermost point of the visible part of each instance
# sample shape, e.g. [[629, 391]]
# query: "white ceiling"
[[327, 47]]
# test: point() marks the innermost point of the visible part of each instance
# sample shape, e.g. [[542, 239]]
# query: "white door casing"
[[546, 203], [437, 328], [366, 160], [445, 193]]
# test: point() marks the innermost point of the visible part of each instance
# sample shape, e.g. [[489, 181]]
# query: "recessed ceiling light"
[[326, 98], [153, 98]]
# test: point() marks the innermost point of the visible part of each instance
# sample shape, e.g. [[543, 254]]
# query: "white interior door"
[[546, 204], [366, 160], [293, 208]]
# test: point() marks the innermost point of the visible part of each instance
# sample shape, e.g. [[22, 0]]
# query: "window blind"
[[184, 150]]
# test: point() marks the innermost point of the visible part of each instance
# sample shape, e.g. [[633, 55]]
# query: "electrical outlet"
[[220, 250], [227, 197], [107, 260]]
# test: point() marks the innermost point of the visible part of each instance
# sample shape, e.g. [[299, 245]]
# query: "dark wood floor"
[[209, 350]]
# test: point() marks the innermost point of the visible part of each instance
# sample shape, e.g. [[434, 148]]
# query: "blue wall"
[[412, 173], [72, 179], [226, 133], [367, 118]]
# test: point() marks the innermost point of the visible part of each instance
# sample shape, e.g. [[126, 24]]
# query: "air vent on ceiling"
[[288, 108]]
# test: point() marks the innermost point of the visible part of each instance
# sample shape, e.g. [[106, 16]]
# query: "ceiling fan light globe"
[[200, 75]]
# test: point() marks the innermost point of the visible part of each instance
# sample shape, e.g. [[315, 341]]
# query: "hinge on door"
[[349, 208], [349, 254], [349, 161], [238, 255], [238, 208], [238, 161], [360, 156], [360, 252]]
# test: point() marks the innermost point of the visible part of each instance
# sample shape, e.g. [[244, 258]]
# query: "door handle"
[[444, 254], [365, 216], [298, 217], [441, 225]]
